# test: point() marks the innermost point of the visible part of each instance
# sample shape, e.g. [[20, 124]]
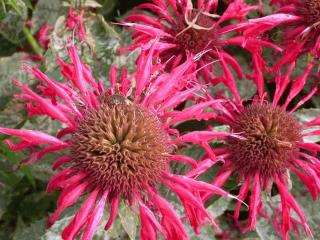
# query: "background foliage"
[[24, 203]]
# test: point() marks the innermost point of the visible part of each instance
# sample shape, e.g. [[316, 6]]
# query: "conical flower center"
[[268, 143], [198, 37], [310, 11], [120, 145]]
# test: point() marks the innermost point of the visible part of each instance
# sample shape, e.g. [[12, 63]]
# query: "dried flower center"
[[310, 10], [196, 37], [270, 137], [120, 145]]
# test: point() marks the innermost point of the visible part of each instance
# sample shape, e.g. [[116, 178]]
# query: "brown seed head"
[[120, 145], [310, 11], [196, 40], [270, 137]]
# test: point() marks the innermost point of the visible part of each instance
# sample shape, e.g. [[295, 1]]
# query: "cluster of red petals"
[[66, 103], [75, 22], [305, 164], [43, 35], [300, 32], [303, 33], [219, 32], [43, 38]]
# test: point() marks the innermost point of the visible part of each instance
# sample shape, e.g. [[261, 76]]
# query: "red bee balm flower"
[[303, 34], [269, 145], [75, 22], [117, 145], [187, 30], [43, 35]]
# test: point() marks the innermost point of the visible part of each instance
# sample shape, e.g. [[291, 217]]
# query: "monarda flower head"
[[268, 148], [75, 22], [117, 145], [303, 34], [184, 29]]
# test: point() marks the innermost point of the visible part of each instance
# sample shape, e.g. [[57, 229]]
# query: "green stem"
[[4, 6], [32, 41]]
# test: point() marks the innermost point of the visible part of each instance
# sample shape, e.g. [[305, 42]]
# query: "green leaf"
[[3, 203], [108, 7], [310, 207], [20, 225], [14, 159], [104, 43], [306, 115], [7, 177], [206, 232], [91, 3], [83, 3], [46, 11], [10, 69], [35, 231], [98, 51], [120, 229], [266, 231], [129, 220], [12, 21], [54, 232], [12, 110], [218, 207], [28, 4], [7, 48], [265, 228], [56, 47], [116, 232], [44, 124], [316, 101], [193, 151], [42, 169]]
